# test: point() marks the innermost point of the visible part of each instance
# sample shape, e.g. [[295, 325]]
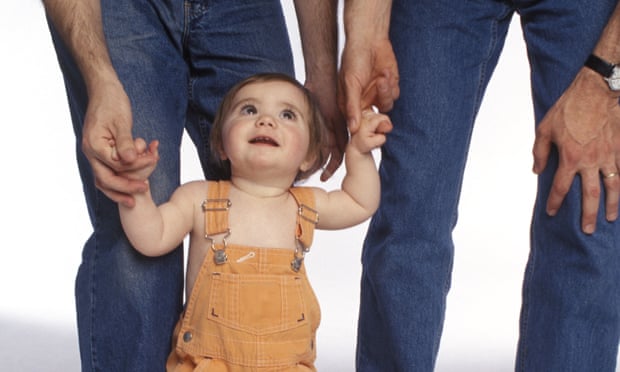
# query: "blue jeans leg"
[[127, 304], [571, 293], [446, 52]]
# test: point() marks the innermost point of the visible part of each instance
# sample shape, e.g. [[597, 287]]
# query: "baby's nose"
[[265, 120]]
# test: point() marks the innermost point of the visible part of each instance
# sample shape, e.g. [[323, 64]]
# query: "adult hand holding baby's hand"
[[372, 131], [147, 156]]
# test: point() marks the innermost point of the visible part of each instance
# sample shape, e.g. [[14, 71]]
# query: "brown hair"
[[316, 124]]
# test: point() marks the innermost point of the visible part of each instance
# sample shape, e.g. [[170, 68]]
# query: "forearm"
[[366, 20], [79, 24], [318, 29], [143, 225], [361, 181], [608, 46]]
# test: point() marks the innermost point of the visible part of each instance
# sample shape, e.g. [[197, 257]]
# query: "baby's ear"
[[308, 163], [222, 154]]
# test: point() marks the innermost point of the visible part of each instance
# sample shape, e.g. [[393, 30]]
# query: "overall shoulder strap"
[[215, 208], [307, 216]]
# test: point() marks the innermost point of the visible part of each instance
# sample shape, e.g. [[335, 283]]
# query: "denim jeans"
[[447, 51], [176, 59]]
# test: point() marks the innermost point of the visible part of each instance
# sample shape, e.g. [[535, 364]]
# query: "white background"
[[43, 220]]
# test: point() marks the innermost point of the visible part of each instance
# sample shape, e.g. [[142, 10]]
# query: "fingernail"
[[588, 229], [552, 212]]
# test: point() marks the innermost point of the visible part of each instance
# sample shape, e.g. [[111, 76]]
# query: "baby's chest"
[[269, 231]]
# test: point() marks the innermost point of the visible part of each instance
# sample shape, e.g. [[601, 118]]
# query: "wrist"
[[357, 149], [321, 74], [105, 87], [367, 21], [609, 71]]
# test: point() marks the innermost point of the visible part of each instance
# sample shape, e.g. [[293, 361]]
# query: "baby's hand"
[[371, 133], [149, 153]]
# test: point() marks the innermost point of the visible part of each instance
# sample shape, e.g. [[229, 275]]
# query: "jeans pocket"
[[258, 304]]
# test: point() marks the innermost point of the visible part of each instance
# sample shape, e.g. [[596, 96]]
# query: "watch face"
[[614, 79]]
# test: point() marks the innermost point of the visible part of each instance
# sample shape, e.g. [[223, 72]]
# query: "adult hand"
[[584, 124], [368, 76], [325, 94], [108, 144]]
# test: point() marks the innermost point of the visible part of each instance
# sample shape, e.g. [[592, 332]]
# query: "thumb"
[[125, 146], [541, 151], [353, 107]]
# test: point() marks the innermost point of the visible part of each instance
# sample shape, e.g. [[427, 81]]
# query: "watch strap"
[[599, 65]]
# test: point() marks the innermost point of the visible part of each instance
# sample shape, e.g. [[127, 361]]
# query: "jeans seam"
[[92, 281], [186, 21], [529, 269]]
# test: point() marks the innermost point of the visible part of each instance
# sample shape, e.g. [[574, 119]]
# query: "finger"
[[353, 95], [562, 181], [106, 153], [385, 126], [376, 140], [591, 197], [140, 145], [369, 95], [125, 145], [110, 183], [336, 155], [384, 95], [332, 166], [154, 148], [349, 96], [114, 153], [141, 162], [611, 182], [394, 84], [378, 123], [541, 151]]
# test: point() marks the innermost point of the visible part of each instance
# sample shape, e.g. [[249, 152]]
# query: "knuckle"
[[559, 188], [543, 132], [593, 192], [571, 158]]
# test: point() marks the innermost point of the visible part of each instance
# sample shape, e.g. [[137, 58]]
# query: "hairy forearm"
[[79, 24], [367, 19], [608, 46], [318, 29]]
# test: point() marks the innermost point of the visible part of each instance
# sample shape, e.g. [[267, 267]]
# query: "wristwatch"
[[609, 71]]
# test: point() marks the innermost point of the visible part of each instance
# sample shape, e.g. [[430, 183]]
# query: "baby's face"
[[266, 129]]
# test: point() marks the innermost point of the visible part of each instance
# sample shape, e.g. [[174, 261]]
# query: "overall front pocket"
[[257, 303]]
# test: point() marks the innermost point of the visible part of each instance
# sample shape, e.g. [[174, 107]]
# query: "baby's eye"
[[288, 115], [248, 110]]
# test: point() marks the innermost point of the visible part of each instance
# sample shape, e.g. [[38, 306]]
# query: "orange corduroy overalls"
[[251, 309]]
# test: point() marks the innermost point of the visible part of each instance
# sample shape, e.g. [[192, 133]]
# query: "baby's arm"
[[153, 230], [359, 197]]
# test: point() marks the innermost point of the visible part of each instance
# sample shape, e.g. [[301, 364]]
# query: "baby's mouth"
[[261, 140]]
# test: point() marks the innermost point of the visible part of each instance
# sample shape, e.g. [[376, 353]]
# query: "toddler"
[[249, 303]]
